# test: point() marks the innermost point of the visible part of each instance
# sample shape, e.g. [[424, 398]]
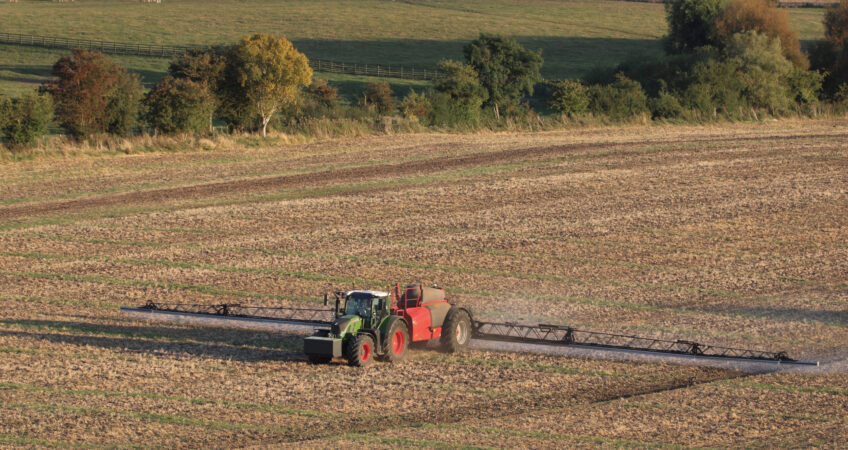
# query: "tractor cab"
[[369, 306]]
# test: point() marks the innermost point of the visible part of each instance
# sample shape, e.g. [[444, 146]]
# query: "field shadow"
[[565, 56], [34, 70], [205, 342]]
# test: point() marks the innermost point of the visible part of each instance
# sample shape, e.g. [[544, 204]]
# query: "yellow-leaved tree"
[[270, 73]]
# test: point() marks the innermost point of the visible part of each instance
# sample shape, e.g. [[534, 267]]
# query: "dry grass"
[[732, 235]]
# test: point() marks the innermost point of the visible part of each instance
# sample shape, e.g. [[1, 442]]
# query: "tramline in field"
[[365, 325]]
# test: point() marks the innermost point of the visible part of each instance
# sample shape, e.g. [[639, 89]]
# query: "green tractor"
[[369, 326]]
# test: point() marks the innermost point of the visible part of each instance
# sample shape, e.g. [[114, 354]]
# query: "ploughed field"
[[732, 235]]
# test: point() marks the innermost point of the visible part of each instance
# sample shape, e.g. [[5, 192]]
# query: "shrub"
[[447, 111], [25, 118], [464, 94], [379, 94], [178, 105], [323, 94], [751, 73], [569, 97], [506, 70], [460, 81], [762, 70], [691, 23], [666, 106], [713, 87], [416, 105], [764, 18], [622, 99], [94, 95], [840, 98]]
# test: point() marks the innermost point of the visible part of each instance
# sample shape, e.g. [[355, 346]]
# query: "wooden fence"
[[114, 48], [169, 51]]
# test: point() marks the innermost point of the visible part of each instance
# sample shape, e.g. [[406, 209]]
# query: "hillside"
[[574, 36]]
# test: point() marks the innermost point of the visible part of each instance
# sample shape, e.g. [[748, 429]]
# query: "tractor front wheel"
[[456, 332], [360, 350], [396, 342]]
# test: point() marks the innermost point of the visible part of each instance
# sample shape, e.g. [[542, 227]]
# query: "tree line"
[[731, 59]]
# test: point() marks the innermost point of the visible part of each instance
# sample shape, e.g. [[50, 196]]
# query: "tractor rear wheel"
[[396, 342], [456, 332], [360, 350]]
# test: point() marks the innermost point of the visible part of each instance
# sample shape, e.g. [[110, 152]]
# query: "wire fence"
[[169, 51]]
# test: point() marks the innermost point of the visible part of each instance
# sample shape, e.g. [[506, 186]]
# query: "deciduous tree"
[[94, 95], [506, 69], [764, 18], [264, 74], [691, 23]]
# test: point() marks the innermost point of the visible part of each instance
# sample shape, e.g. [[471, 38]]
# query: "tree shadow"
[[565, 56], [204, 342]]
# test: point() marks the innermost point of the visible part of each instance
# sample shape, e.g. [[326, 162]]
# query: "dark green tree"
[[692, 23], [179, 105], [831, 54], [458, 92], [200, 66], [506, 70]]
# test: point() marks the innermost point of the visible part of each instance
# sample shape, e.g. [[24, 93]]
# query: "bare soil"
[[731, 235]]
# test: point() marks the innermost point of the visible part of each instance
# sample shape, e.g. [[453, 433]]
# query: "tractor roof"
[[362, 291]]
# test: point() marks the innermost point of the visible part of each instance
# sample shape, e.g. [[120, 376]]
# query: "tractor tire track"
[[356, 174]]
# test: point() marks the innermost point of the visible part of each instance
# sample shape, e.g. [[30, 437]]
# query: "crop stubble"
[[732, 236]]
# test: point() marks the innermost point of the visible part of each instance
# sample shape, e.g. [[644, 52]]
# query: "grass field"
[[732, 235], [574, 36]]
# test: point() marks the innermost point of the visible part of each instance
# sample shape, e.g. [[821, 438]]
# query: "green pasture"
[[575, 36]]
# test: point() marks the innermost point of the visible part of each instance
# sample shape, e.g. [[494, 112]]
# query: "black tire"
[[359, 350], [319, 359], [456, 332], [396, 342]]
